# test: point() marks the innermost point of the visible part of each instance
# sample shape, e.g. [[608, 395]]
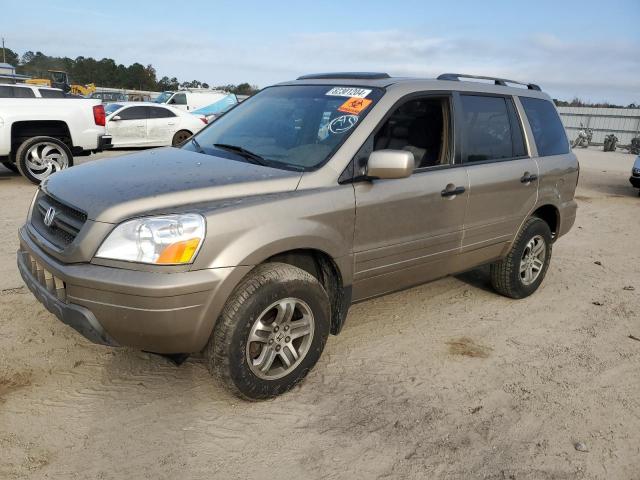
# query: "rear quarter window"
[[548, 131]]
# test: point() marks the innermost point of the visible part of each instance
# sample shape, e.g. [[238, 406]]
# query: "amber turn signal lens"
[[179, 252]]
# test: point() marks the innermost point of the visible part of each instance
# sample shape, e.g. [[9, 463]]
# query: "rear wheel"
[[180, 137], [271, 332], [39, 157], [522, 271]]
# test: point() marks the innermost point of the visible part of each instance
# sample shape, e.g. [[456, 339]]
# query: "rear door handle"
[[528, 178], [452, 192]]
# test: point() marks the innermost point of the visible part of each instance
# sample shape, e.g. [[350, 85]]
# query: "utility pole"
[[4, 57]]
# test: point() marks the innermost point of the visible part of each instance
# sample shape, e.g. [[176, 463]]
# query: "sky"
[[589, 49]]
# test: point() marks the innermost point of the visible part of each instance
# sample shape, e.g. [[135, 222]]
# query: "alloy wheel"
[[280, 338]]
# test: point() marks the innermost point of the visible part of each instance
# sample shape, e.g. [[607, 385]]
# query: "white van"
[[190, 99]]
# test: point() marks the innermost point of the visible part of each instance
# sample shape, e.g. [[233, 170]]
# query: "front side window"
[[296, 126], [548, 132], [489, 129], [421, 127], [179, 99], [133, 113]]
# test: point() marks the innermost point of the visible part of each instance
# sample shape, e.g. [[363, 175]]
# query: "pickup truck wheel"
[[522, 271], [39, 157], [180, 137], [10, 166], [271, 332]]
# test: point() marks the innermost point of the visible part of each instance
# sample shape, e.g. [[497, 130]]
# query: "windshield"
[[163, 97], [297, 127], [109, 108], [218, 107]]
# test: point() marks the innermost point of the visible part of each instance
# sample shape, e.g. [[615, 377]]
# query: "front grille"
[[66, 224], [45, 278]]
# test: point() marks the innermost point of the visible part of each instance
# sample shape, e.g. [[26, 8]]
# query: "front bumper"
[[635, 181], [154, 311]]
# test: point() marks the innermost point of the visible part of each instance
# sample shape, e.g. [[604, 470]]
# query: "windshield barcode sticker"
[[348, 92]]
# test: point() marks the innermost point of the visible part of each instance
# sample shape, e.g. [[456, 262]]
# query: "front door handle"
[[451, 192], [528, 178]]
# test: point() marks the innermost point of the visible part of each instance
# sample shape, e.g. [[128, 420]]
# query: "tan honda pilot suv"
[[250, 241]]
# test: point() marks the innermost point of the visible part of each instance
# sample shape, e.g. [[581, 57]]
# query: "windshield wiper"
[[197, 145], [252, 157]]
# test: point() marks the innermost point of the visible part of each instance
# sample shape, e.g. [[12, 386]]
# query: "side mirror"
[[117, 118], [387, 164]]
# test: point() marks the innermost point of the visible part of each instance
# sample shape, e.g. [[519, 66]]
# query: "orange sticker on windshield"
[[354, 105]]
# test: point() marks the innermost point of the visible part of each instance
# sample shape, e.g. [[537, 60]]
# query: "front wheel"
[[271, 332], [40, 157], [521, 272]]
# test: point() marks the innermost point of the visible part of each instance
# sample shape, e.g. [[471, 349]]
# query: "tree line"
[[108, 73], [577, 102]]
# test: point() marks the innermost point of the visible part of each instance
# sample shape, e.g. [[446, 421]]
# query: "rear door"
[[503, 178], [161, 125], [131, 129]]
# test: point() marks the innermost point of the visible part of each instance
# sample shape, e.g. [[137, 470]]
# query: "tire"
[[253, 304], [10, 166], [180, 137], [507, 276], [39, 157]]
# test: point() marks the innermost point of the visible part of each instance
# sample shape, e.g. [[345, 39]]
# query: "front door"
[[131, 127], [502, 176], [409, 230]]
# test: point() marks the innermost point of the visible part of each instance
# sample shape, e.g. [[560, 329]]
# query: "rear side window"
[[46, 93], [23, 93], [548, 132], [159, 112], [491, 129]]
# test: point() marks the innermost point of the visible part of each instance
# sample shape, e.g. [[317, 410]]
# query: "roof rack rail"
[[346, 75], [498, 81]]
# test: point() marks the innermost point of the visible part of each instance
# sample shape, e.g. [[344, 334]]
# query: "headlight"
[[166, 240]]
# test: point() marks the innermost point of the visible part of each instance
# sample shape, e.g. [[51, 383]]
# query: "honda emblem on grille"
[[49, 216]]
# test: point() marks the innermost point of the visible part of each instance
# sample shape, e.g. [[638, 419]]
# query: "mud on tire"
[[506, 275], [229, 351]]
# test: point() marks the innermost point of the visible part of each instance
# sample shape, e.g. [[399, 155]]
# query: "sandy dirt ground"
[[447, 380]]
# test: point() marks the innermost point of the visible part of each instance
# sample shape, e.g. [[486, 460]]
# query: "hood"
[[113, 189]]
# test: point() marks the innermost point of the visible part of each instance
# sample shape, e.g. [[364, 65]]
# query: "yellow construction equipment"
[[60, 79]]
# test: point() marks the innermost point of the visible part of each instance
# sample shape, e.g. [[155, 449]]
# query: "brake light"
[[204, 120], [99, 116]]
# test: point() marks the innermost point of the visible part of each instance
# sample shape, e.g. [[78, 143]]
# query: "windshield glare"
[[109, 108], [296, 126], [163, 97]]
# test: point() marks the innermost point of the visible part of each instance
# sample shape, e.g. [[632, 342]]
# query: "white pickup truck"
[[39, 136]]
